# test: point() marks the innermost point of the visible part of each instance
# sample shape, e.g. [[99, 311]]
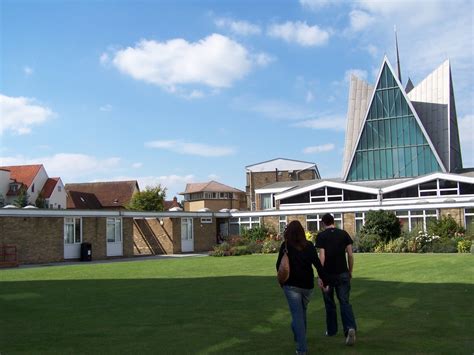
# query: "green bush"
[[445, 228], [240, 250], [366, 243], [444, 246], [380, 227], [271, 246], [464, 246], [255, 246], [399, 245], [222, 249], [256, 233]]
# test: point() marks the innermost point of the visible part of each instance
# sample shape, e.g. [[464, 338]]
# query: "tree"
[[445, 228], [151, 199], [383, 224], [40, 201], [22, 199]]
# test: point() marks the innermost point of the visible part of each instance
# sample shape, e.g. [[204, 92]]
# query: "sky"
[[174, 92]]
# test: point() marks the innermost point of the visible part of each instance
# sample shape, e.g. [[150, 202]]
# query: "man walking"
[[333, 244]]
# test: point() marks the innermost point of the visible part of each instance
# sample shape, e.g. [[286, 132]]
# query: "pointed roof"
[[359, 95], [49, 186], [211, 186], [110, 194], [409, 86], [433, 100], [23, 173], [83, 201], [379, 83], [281, 164]]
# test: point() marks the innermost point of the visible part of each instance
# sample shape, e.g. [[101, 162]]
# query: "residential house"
[[173, 205], [35, 180], [101, 195], [212, 196], [274, 171]]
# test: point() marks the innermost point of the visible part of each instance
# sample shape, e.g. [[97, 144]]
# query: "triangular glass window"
[[392, 144]]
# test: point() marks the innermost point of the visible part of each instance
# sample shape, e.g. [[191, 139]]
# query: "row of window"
[[73, 230], [434, 188], [209, 196], [410, 220]]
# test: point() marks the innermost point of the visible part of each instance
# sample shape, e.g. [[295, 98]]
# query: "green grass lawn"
[[404, 303]]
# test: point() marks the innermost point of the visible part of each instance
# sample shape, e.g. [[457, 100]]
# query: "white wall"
[[58, 196], [38, 183], [4, 183]]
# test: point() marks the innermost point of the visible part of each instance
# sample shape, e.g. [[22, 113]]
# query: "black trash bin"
[[86, 252]]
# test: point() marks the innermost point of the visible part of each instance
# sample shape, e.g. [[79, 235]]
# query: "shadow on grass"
[[222, 315]]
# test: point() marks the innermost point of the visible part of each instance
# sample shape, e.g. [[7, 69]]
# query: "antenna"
[[398, 57]]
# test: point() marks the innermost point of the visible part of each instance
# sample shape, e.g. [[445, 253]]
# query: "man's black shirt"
[[334, 242]]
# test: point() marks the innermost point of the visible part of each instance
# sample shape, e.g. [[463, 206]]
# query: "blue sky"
[[172, 92]]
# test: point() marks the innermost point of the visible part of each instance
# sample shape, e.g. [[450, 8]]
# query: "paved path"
[[116, 260]]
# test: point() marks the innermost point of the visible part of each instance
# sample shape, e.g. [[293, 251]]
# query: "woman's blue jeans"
[[342, 286], [298, 299]]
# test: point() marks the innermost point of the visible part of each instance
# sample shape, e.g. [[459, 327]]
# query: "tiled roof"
[[110, 194], [49, 186], [82, 201], [170, 204], [211, 186], [23, 173]]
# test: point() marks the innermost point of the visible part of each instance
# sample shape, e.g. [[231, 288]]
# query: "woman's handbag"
[[284, 269]]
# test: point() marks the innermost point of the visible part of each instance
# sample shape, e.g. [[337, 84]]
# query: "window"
[[313, 221], [59, 188], [416, 219], [282, 221], [72, 230], [359, 221], [33, 188], [206, 220], [267, 201], [237, 224], [114, 230], [469, 220]]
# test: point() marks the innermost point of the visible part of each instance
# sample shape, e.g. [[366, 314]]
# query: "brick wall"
[[348, 220], [38, 240], [456, 213], [204, 235]]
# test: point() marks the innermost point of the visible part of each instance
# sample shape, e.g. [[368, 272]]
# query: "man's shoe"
[[351, 337]]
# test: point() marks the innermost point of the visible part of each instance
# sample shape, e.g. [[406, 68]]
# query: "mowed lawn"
[[404, 303]]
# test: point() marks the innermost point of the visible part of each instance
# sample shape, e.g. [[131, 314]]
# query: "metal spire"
[[398, 57]]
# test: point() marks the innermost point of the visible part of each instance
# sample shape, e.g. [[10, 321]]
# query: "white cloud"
[[335, 123], [215, 61], [263, 59], [316, 5], [372, 50], [360, 20], [466, 136], [181, 147], [27, 70], [309, 97], [361, 74], [213, 177], [273, 109], [137, 165], [19, 114], [70, 167], [104, 59], [242, 28], [174, 184], [319, 148], [300, 33], [106, 108]]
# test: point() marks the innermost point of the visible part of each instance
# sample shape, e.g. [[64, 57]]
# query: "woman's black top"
[[301, 262]]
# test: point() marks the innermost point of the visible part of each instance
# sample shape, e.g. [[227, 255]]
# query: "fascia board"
[[274, 190], [338, 185], [423, 179]]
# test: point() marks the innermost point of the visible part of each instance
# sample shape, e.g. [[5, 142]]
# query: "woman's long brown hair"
[[295, 236]]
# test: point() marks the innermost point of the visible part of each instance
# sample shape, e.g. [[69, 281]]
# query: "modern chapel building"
[[402, 154]]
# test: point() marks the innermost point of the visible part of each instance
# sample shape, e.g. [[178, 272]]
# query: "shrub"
[[464, 246], [255, 246], [399, 245], [256, 233], [222, 249], [240, 250], [444, 246], [379, 225], [366, 243], [445, 228], [271, 246]]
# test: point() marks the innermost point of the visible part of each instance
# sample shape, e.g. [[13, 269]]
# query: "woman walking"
[[299, 286]]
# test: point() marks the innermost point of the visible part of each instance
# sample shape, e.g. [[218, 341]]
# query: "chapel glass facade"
[[392, 144]]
